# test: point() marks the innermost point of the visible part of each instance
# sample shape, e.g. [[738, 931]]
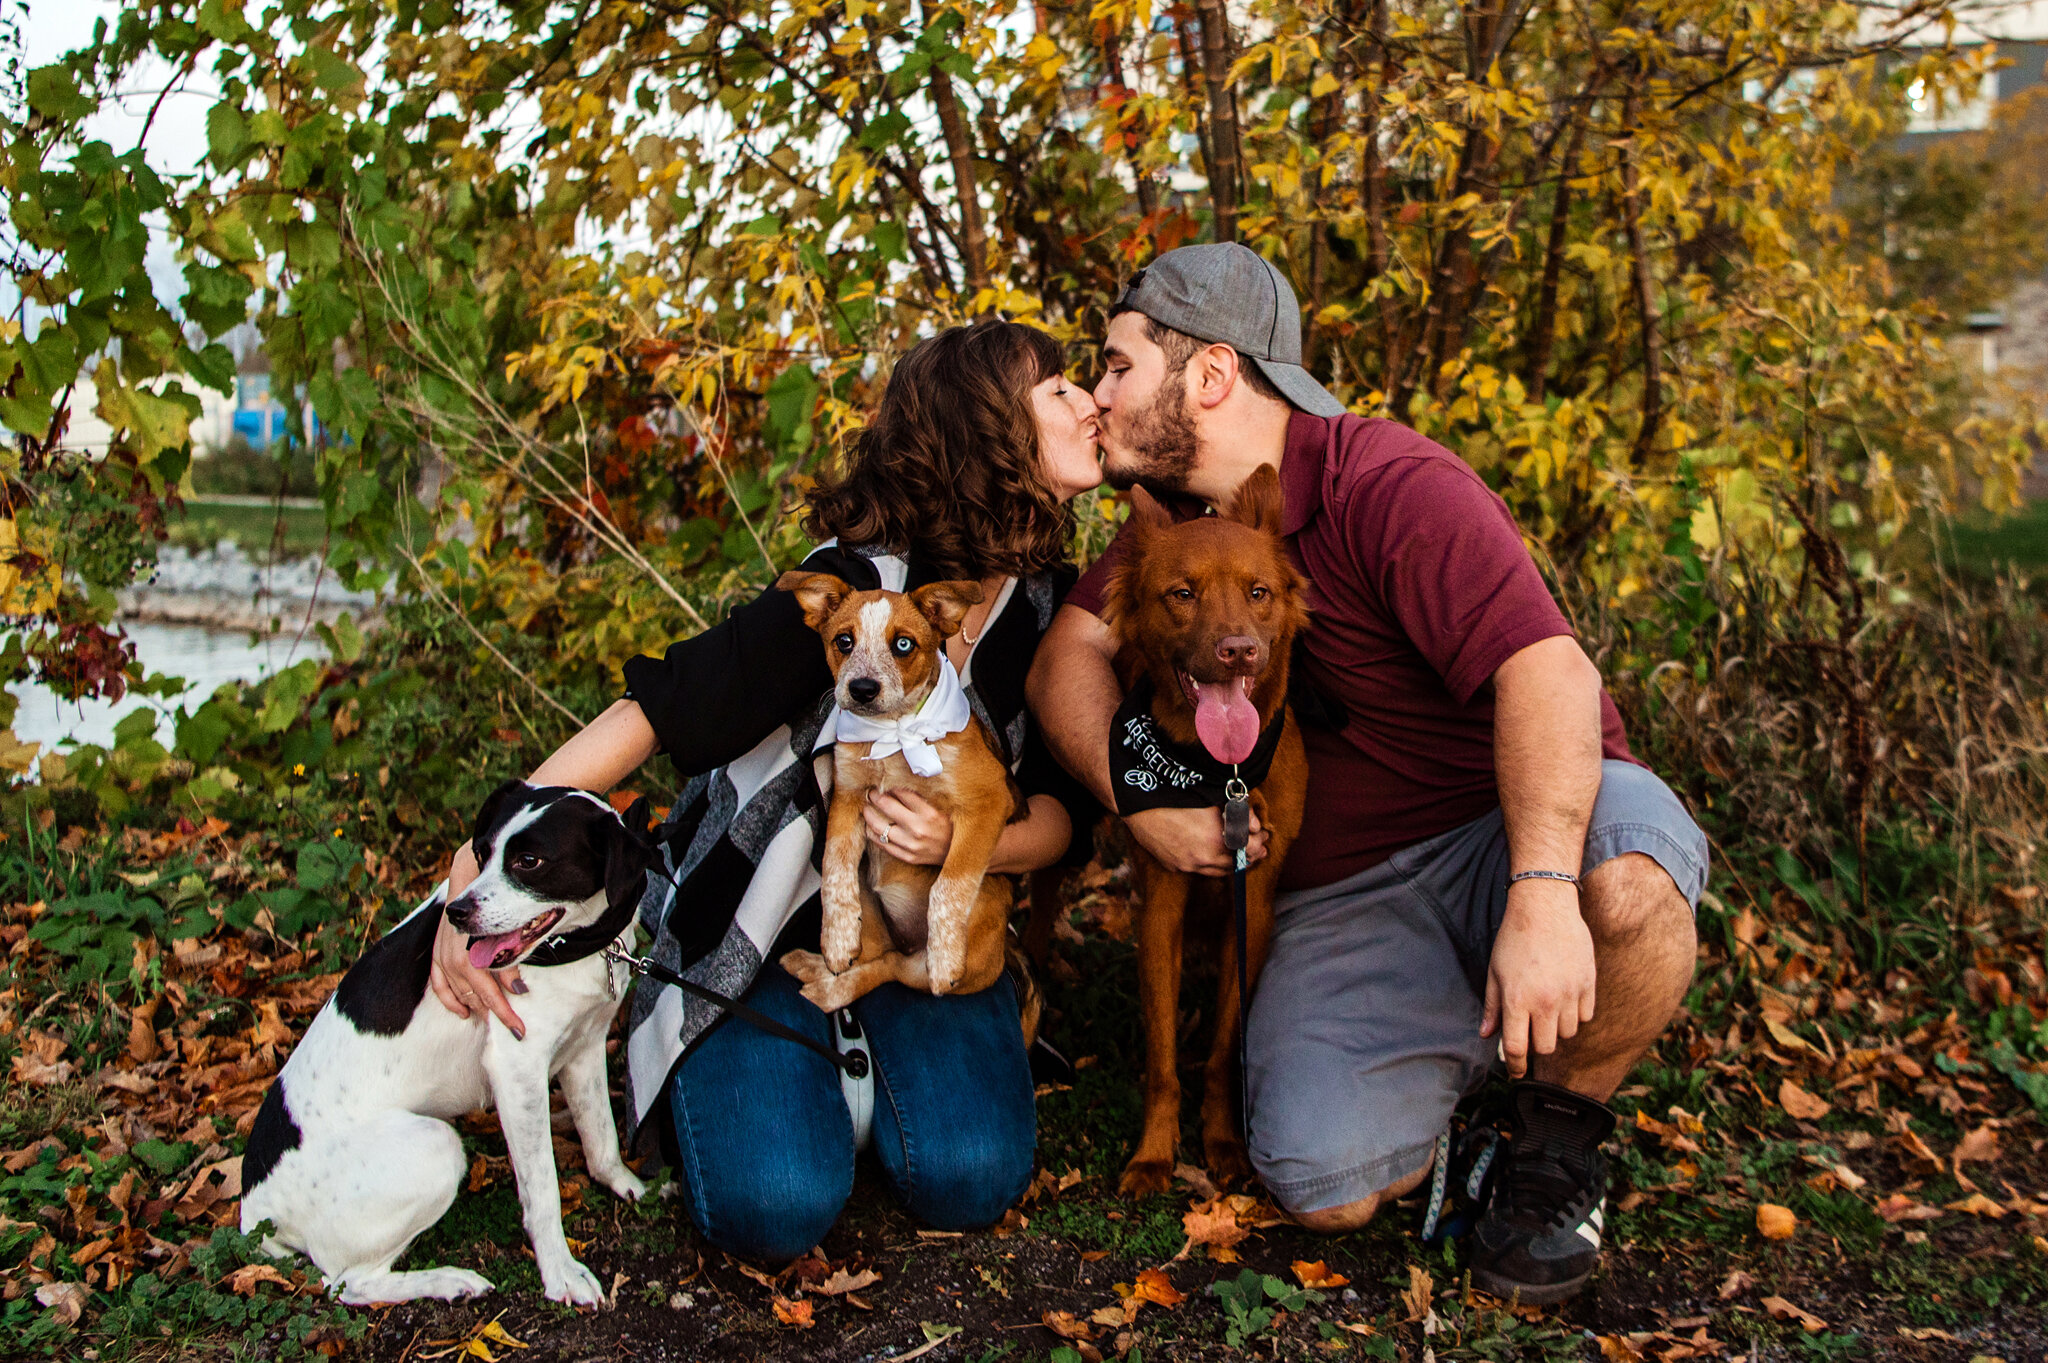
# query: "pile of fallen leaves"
[[145, 1082]]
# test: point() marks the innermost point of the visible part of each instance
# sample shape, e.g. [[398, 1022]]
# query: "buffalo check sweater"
[[738, 710]]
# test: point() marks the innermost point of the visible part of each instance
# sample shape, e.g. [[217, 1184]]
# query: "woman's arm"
[[607, 750]]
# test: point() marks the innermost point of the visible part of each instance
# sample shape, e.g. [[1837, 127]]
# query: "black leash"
[[855, 1063], [1237, 836]]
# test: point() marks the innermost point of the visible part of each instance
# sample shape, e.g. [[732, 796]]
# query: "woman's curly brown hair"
[[949, 469]]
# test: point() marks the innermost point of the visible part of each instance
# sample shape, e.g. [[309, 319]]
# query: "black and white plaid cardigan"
[[738, 710]]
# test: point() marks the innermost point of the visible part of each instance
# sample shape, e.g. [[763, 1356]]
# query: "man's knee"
[[1632, 900], [1350, 1216]]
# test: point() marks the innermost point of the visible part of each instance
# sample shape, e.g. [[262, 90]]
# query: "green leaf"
[[342, 638], [227, 133], [285, 695], [201, 734], [165, 1157], [53, 92], [325, 863], [884, 131]]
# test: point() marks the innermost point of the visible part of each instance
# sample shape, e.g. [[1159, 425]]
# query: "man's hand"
[[1539, 986], [1191, 840], [459, 985]]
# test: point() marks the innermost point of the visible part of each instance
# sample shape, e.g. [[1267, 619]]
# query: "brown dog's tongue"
[[1226, 720]]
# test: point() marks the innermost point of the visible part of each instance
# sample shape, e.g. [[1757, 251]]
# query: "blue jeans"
[[766, 1144]]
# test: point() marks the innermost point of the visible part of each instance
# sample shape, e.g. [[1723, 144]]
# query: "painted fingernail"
[[518, 1035], [515, 987]]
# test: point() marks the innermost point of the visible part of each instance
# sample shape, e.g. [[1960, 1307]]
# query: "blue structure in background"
[[258, 418]]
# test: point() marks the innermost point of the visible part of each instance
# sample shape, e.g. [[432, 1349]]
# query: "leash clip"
[[1237, 818]]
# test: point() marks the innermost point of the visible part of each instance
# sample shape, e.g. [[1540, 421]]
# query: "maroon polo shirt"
[[1419, 588]]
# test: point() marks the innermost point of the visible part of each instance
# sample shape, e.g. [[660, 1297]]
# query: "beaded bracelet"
[[1542, 875]]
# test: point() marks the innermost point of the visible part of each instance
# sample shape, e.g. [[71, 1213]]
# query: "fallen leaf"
[[841, 1282], [1318, 1275], [1420, 1288], [1619, 1349], [1066, 1325], [747, 1270], [1735, 1284], [1213, 1226], [797, 1313], [1774, 1222], [1899, 1207], [1976, 1204], [66, 1301], [1118, 1316], [244, 1281], [1917, 1155], [1196, 1179], [1979, 1146], [1154, 1286], [1848, 1177], [142, 1042], [1798, 1103], [1785, 1310], [1925, 1332]]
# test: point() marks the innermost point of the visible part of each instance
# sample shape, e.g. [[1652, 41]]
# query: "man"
[[1483, 870]]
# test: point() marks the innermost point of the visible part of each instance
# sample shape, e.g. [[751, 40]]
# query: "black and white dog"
[[352, 1156]]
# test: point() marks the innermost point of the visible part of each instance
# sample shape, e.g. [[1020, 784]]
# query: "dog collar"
[[1151, 771], [589, 939], [945, 711]]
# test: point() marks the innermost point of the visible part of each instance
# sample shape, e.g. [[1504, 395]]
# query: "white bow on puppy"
[[945, 711]]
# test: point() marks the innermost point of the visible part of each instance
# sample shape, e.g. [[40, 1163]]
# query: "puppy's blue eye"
[[843, 642], [904, 645]]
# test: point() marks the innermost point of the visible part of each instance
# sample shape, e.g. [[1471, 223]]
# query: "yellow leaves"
[[1976, 1204], [795, 1313], [1774, 1222], [244, 1281], [1220, 1223], [16, 756], [478, 1344]]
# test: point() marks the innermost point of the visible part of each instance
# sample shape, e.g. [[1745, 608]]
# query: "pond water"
[[204, 657]]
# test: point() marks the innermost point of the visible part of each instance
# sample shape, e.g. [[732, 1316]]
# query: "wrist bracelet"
[[1542, 875]]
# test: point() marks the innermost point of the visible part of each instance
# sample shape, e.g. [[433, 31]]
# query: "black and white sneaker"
[[1539, 1239]]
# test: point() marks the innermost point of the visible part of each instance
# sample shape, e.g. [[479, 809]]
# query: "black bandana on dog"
[[1151, 771]]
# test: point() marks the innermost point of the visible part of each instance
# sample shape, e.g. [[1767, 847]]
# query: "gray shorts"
[[1364, 1029]]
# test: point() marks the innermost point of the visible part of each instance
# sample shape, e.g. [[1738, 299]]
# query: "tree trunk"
[[1113, 74], [1646, 302], [1543, 330], [960, 149], [1223, 139]]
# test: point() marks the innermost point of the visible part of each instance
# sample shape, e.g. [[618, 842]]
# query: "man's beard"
[[1161, 442]]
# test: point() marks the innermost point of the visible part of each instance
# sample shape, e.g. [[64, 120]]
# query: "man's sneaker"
[[1540, 1237]]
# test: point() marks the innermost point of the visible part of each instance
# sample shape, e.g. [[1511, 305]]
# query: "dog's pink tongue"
[[1225, 720], [484, 950]]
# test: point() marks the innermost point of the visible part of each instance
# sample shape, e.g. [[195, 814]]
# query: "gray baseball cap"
[[1227, 292]]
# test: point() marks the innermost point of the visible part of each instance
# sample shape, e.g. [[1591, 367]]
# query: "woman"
[[977, 448]]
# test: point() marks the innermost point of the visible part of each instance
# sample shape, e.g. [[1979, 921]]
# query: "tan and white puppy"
[[939, 929]]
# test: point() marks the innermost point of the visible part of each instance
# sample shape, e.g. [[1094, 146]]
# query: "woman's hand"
[[459, 985], [908, 827]]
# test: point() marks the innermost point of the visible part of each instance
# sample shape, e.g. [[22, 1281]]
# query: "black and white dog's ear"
[[631, 853], [492, 812]]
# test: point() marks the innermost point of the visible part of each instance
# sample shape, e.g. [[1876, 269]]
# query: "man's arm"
[[1546, 751], [1074, 696]]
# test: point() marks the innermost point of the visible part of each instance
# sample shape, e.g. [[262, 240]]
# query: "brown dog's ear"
[[818, 593], [945, 604], [1146, 512], [1258, 503]]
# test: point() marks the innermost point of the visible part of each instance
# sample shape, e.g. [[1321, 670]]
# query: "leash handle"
[[853, 1063]]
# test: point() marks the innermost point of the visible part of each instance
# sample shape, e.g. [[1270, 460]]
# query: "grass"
[[262, 532], [1985, 545]]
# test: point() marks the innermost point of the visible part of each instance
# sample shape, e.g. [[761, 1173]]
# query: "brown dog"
[[1207, 611], [939, 929]]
